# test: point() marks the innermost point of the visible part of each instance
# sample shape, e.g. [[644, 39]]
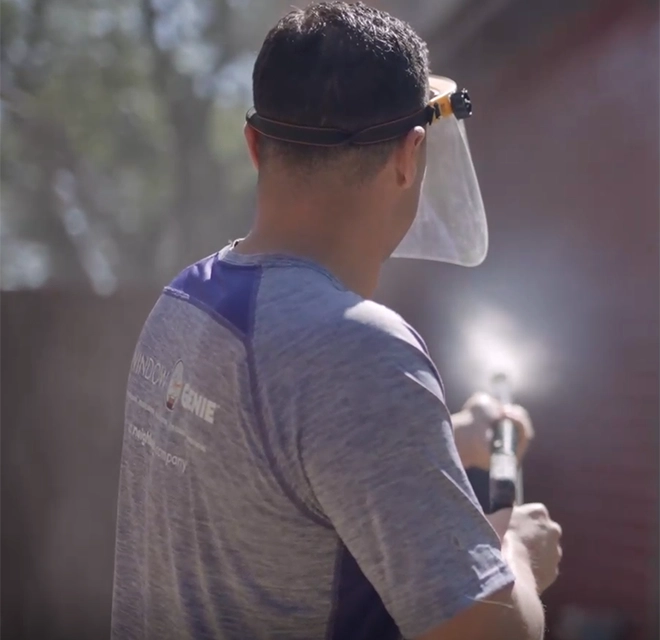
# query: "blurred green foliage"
[[122, 156]]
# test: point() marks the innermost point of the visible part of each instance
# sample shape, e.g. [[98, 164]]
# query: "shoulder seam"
[[285, 486], [261, 419], [246, 339], [202, 306]]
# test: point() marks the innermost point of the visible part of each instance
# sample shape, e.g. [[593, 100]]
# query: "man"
[[300, 478]]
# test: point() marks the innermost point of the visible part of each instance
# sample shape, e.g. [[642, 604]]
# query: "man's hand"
[[473, 429], [529, 530], [531, 547]]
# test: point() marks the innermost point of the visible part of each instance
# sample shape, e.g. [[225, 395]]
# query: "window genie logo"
[[191, 400], [177, 390], [196, 403], [149, 369], [175, 387]]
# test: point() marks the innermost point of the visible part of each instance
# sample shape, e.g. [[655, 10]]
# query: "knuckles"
[[537, 510]]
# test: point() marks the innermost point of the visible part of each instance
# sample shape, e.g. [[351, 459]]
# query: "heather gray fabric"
[[288, 468]]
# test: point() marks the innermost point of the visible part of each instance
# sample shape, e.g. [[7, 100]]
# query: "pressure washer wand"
[[506, 487]]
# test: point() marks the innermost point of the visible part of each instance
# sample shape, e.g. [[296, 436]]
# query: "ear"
[[252, 139], [408, 157]]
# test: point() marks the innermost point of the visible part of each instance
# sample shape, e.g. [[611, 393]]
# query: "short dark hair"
[[341, 65]]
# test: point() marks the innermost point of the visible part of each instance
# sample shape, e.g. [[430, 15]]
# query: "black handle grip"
[[503, 466], [502, 493]]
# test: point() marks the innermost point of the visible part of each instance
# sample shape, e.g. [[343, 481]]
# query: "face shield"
[[450, 224]]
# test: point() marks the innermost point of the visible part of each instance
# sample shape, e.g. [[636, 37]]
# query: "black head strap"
[[457, 104]]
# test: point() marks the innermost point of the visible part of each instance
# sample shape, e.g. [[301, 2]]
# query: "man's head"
[[345, 66]]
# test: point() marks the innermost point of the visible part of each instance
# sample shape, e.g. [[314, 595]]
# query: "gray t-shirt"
[[289, 469]]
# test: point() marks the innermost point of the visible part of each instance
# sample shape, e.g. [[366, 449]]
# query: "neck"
[[333, 229]]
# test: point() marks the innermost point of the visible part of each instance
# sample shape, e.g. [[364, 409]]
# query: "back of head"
[[341, 65]]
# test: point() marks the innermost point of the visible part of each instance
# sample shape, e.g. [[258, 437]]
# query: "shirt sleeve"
[[383, 465]]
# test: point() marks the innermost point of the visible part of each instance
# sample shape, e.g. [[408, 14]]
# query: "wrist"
[[517, 557], [513, 547], [461, 419]]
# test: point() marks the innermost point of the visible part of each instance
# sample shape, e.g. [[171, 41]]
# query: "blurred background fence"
[[122, 160]]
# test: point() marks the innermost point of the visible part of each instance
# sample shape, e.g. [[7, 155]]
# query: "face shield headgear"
[[450, 224]]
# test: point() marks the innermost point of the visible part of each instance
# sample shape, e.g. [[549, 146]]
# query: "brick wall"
[[65, 358]]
